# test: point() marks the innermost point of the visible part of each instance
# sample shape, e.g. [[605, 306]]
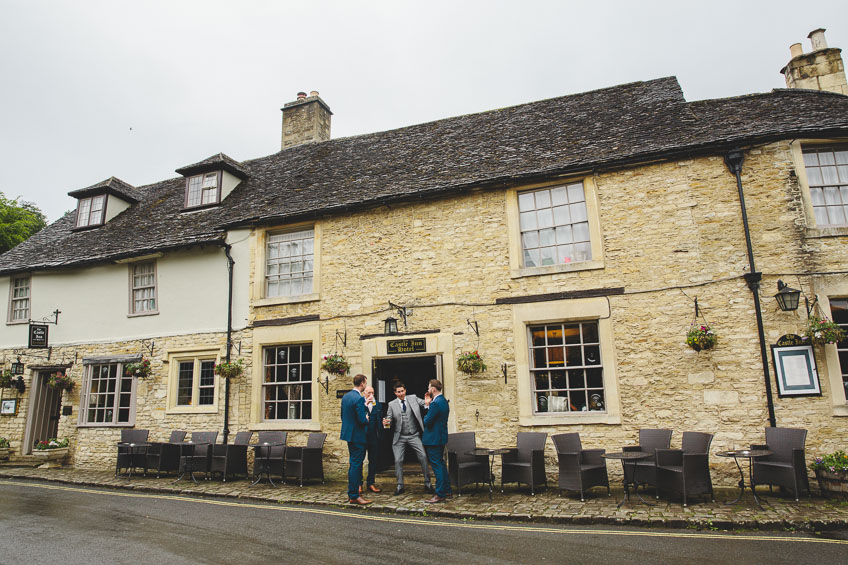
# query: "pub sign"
[[396, 346], [38, 336]]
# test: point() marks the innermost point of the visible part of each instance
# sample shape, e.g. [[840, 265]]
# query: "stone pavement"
[[779, 513]]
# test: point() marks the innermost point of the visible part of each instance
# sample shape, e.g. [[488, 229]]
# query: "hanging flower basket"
[[231, 370], [6, 379], [701, 337], [336, 364], [60, 381], [470, 363], [822, 330], [140, 369]]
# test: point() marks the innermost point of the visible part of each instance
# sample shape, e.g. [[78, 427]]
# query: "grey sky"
[[92, 89]]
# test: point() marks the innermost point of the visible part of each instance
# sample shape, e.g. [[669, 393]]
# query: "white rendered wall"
[[114, 206], [94, 301]]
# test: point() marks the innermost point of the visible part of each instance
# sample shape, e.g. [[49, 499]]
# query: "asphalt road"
[[57, 524]]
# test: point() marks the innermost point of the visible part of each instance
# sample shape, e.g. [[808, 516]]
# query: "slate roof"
[[214, 163], [600, 129], [112, 185]]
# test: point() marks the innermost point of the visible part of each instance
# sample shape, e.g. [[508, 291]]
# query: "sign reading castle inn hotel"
[[573, 234]]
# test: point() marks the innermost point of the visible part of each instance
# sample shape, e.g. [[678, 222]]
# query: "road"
[[51, 523]]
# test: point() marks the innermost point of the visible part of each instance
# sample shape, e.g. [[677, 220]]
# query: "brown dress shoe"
[[435, 500], [374, 488], [361, 501]]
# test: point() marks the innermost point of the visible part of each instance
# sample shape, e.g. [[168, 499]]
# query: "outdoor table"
[[262, 460], [492, 453], [626, 456], [134, 450], [187, 462], [750, 455]]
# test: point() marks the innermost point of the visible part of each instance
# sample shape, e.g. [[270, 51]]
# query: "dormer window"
[[90, 211], [203, 190]]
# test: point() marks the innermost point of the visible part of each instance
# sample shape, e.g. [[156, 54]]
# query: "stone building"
[[572, 242]]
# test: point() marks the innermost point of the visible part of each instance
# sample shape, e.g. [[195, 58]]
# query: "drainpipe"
[[733, 160], [230, 263]]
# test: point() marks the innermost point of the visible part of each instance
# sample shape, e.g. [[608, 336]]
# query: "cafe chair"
[[231, 458], [132, 457], [197, 458], [165, 457], [644, 471], [526, 463], [786, 466], [270, 460], [463, 468], [306, 462], [686, 471], [579, 469]]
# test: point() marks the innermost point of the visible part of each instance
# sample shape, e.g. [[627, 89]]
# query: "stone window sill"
[[554, 269], [192, 410], [290, 425], [840, 410], [818, 233], [569, 418], [314, 297]]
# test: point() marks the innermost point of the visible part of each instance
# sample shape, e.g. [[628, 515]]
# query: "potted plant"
[[701, 337], [60, 381], [832, 474], [4, 448], [51, 451], [821, 330], [336, 364], [230, 370], [139, 369], [470, 363]]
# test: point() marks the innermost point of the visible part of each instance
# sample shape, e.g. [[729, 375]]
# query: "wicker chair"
[[198, 458], [165, 456], [786, 467], [463, 468], [132, 457], [306, 462], [270, 460], [231, 458], [686, 471], [644, 471], [526, 463], [579, 469]]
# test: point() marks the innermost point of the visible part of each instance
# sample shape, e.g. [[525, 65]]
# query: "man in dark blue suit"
[[435, 438], [354, 422], [374, 435]]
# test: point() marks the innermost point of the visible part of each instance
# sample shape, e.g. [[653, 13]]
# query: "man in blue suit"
[[435, 438], [354, 423]]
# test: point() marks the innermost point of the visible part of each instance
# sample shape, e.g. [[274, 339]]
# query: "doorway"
[[415, 371], [45, 405]]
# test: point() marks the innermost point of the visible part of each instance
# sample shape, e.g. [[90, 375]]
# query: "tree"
[[18, 221]]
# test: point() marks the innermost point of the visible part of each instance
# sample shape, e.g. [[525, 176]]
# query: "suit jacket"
[[354, 417], [436, 422], [374, 429], [395, 412]]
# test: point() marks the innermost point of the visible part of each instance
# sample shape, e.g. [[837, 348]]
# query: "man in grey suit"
[[404, 415]]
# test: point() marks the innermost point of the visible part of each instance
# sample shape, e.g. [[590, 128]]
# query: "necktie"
[[403, 404]]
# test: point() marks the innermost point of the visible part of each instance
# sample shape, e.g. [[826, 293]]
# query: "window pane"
[[292, 367], [559, 196], [543, 199], [575, 193], [525, 202], [185, 382]]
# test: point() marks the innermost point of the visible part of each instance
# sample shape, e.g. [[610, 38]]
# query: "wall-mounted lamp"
[[390, 327], [788, 298], [17, 368]]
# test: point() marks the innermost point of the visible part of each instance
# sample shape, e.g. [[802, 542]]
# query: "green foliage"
[[18, 221], [834, 462], [4, 443], [52, 443]]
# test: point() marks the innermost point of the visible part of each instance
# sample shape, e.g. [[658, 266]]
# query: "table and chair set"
[[272, 457], [683, 472]]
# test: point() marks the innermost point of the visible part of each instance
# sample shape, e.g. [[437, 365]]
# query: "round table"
[[133, 451], [750, 455], [262, 461], [626, 456]]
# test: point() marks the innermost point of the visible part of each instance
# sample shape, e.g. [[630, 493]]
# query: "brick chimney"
[[821, 69], [305, 120]]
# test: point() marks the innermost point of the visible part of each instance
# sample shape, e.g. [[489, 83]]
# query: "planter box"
[[51, 457], [4, 453], [833, 484]]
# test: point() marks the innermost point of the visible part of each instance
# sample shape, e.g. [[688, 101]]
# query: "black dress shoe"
[[398, 491]]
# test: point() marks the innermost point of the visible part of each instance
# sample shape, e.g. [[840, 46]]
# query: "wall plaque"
[[38, 336], [416, 345]]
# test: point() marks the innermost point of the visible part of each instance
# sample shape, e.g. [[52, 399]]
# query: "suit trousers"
[[354, 472], [373, 460], [436, 455], [399, 450]]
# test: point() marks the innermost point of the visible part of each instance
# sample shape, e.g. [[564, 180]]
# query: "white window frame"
[[133, 311], [13, 300], [203, 190], [260, 280], [796, 149], [85, 396], [303, 384], [564, 311], [516, 246], [197, 358], [817, 185], [86, 211]]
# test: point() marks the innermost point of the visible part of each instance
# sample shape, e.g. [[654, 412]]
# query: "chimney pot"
[[313, 93], [817, 39], [796, 50], [301, 95]]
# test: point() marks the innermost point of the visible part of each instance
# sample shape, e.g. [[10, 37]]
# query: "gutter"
[[733, 159]]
